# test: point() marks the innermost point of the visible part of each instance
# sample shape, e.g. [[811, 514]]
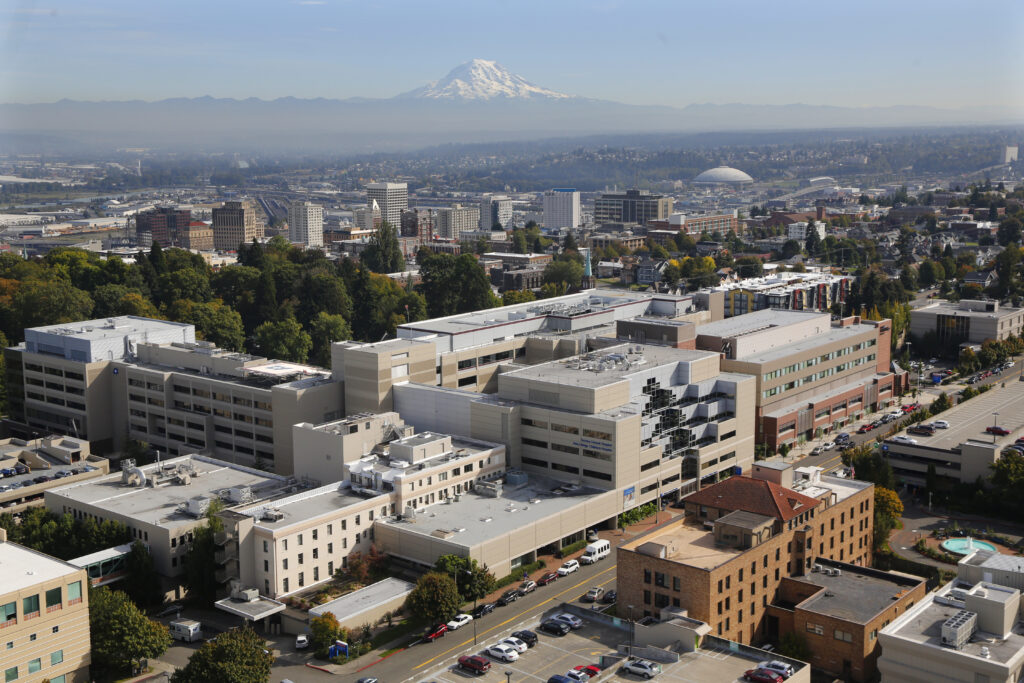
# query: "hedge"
[[571, 548]]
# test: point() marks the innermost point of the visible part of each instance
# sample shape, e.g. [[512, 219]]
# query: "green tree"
[[185, 284], [570, 243], [435, 598], [940, 404], [200, 581], [515, 296], [474, 580], [437, 276], [284, 340], [567, 272], [908, 278], [141, 582], [120, 633], [472, 284], [324, 331], [1009, 231], [37, 303], [887, 503], [237, 656], [214, 321], [672, 274], [324, 630], [519, 244], [813, 241], [384, 255], [791, 248]]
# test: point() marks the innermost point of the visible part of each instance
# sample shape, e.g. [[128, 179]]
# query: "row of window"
[[811, 362], [56, 372], [12, 673], [30, 605]]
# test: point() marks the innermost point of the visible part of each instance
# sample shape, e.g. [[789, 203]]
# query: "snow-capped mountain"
[[482, 79]]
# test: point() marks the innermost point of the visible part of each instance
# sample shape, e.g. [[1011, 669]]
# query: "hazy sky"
[[676, 52]]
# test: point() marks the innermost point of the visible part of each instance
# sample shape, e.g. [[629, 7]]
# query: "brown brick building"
[[725, 560]]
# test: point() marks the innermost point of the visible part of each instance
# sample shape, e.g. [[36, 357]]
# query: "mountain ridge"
[[480, 79]]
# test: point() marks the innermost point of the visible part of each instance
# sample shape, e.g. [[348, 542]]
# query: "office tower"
[[495, 210], [561, 208], [632, 206], [161, 226], [306, 224], [392, 198], [418, 223], [197, 236], [44, 614], [235, 223], [451, 221]]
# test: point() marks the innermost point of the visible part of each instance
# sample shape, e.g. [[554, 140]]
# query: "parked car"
[[828, 445], [301, 641], [997, 429], [483, 610], [475, 663], [518, 645], [44, 478], [572, 621], [509, 596], [559, 678], [910, 407], [591, 670], [642, 667], [7, 472], [594, 594], [436, 631], [527, 586], [62, 474], [568, 567], [921, 429], [577, 676], [763, 676], [903, 439], [502, 652], [21, 468], [458, 621], [781, 668], [842, 436], [547, 578], [940, 424], [610, 597], [864, 429], [817, 450], [554, 627], [528, 637]]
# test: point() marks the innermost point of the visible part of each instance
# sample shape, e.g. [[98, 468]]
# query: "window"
[[30, 606], [53, 598], [286, 585], [266, 547], [56, 657], [35, 665], [300, 558], [844, 636], [11, 674], [647, 597], [284, 563], [8, 612], [659, 580], [676, 583], [302, 579], [647, 576], [816, 629]]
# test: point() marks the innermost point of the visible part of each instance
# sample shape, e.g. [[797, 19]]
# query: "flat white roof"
[[21, 567], [357, 602]]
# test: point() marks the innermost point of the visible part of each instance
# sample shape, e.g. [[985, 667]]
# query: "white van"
[[598, 550], [188, 630]]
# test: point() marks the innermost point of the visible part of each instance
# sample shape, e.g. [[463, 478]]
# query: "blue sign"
[[885, 447], [339, 649]]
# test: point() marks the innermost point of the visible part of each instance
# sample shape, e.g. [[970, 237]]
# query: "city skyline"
[[868, 54]]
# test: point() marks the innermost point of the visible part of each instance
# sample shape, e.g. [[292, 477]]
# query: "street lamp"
[[630, 608]]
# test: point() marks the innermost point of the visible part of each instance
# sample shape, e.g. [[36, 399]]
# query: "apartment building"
[[967, 321], [786, 292], [44, 617], [813, 375], [197, 236], [161, 226], [60, 379], [451, 221], [632, 206], [495, 210], [603, 240], [306, 224], [694, 225], [466, 350], [801, 229], [561, 208], [726, 559], [391, 198], [235, 223]]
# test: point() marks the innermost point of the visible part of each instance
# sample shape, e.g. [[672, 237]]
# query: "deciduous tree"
[[238, 656], [435, 598], [120, 632]]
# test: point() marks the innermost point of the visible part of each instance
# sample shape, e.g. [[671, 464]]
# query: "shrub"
[[517, 575], [571, 548], [636, 514]]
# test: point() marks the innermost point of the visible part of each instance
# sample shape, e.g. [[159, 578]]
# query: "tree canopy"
[[235, 656], [435, 598], [120, 632]]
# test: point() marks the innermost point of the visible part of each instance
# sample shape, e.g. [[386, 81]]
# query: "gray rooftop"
[[477, 518], [834, 334], [923, 624], [755, 322], [995, 560], [22, 567], [944, 307], [161, 505], [858, 595], [106, 328], [356, 602], [744, 519], [304, 507]]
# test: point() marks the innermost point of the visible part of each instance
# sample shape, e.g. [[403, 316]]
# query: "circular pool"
[[963, 546]]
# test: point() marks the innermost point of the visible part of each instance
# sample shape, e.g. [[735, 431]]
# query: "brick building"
[[725, 560], [162, 226]]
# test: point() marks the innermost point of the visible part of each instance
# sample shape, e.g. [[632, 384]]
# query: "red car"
[[475, 663], [547, 578], [864, 429], [996, 429], [763, 676], [910, 407], [435, 632], [588, 669]]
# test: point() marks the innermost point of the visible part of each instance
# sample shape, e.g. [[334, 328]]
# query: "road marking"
[[512, 618]]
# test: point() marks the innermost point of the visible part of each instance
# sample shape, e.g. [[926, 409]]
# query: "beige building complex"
[[966, 322], [44, 617], [236, 223]]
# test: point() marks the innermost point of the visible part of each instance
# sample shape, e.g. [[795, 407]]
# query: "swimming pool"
[[963, 546]]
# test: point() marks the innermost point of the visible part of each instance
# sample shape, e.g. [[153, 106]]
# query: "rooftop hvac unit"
[[837, 572], [958, 629], [272, 515], [239, 494], [197, 506]]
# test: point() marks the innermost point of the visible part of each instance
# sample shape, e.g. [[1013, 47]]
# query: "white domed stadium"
[[723, 175]]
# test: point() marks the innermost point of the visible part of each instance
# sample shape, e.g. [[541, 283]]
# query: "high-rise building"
[[306, 224], [632, 206], [495, 210], [451, 221], [368, 217], [418, 223], [44, 614], [161, 226], [561, 208], [235, 223], [392, 198], [197, 236]]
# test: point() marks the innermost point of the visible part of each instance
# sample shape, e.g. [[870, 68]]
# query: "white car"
[[828, 445], [458, 621], [577, 676], [516, 644], [903, 439], [781, 668], [642, 668], [503, 652], [568, 568], [301, 641], [569, 620], [940, 424]]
